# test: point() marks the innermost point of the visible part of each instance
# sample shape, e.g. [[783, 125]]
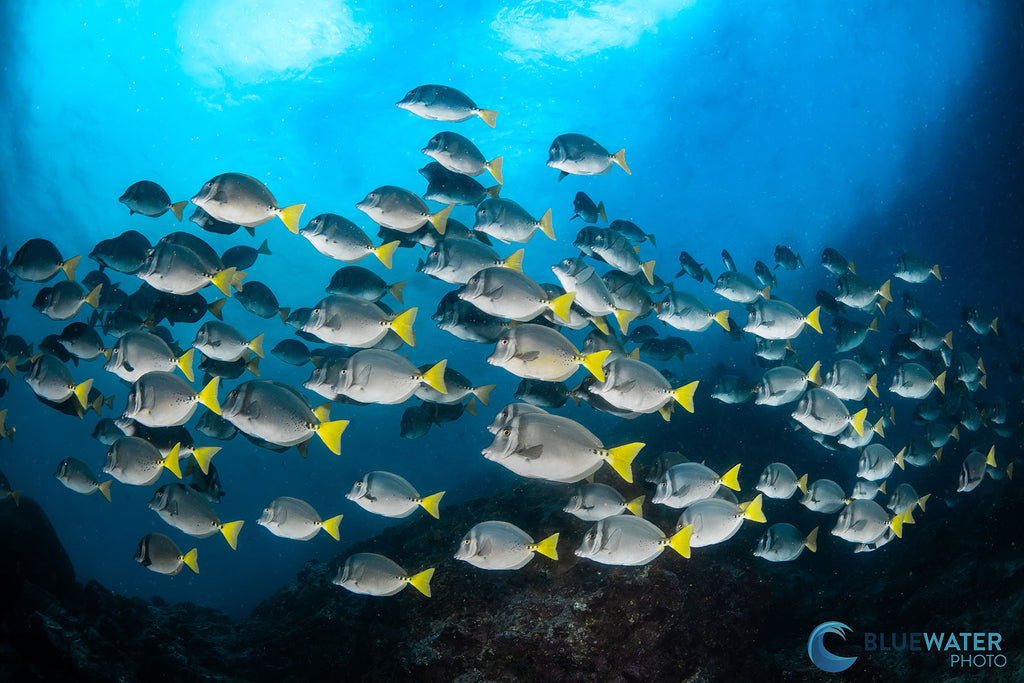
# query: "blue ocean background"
[[875, 128]]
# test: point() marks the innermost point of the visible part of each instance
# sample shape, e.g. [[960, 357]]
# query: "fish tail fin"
[[811, 542], [396, 291], [216, 308], [208, 396], [93, 297], [624, 318], [619, 158], [948, 339], [650, 238], [935, 271], [731, 479], [82, 392], [560, 305], [684, 395], [203, 455], [290, 217], [938, 455], [171, 460], [250, 229], [253, 366], [885, 292], [873, 327], [621, 459], [814, 374], [11, 364], [230, 531], [666, 411], [814, 319], [330, 433], [548, 547], [766, 293], [471, 406], [995, 325], [184, 363], [256, 345], [648, 270], [955, 432], [431, 503], [857, 420], [636, 506], [594, 362], [434, 377], [222, 280], [899, 459], [322, 412], [70, 265], [264, 249], [515, 260], [722, 318], [602, 213], [981, 366], [494, 191], [1009, 471], [489, 116], [680, 541], [105, 488], [546, 226], [494, 166], [873, 384], [600, 323], [882, 487], [191, 560], [940, 382], [177, 208], [331, 526], [385, 252], [440, 219], [283, 313], [421, 581], [753, 511], [879, 427], [896, 523], [923, 500], [402, 325], [908, 516], [990, 459], [483, 393], [801, 484]]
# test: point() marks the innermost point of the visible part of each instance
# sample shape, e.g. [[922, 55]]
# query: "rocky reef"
[[720, 616]]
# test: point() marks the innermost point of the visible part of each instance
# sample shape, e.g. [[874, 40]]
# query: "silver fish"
[[243, 200], [296, 519], [594, 502], [189, 511], [498, 545], [77, 476], [630, 541], [575, 154], [390, 495], [443, 103], [371, 574], [160, 554], [783, 542], [149, 199]]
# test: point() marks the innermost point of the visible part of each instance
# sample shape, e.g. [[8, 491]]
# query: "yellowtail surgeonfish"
[[630, 541], [296, 519], [538, 352], [243, 200], [499, 545], [189, 511], [371, 574], [160, 554], [390, 495]]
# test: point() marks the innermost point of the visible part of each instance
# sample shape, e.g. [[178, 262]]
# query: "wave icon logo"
[[820, 656]]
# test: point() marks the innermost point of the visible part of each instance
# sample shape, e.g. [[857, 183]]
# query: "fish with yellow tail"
[[497, 545]]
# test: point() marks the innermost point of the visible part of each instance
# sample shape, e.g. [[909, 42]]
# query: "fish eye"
[[506, 432]]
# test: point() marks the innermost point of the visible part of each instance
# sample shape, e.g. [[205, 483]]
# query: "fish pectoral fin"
[[627, 386], [531, 453], [528, 356], [494, 292]]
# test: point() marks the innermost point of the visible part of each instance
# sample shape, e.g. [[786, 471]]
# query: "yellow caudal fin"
[[203, 456], [873, 327], [560, 305], [515, 260], [402, 325], [256, 345], [940, 382], [937, 455], [494, 166], [548, 547], [896, 523], [421, 581], [684, 395], [731, 479], [801, 484], [621, 459], [883, 291], [754, 511], [995, 325], [396, 290], [908, 515], [289, 215], [899, 460], [1009, 471], [879, 427], [184, 363], [230, 531], [636, 506], [386, 252], [811, 542], [93, 297], [322, 412], [647, 267], [470, 406], [170, 461], [222, 280], [191, 560], [253, 365], [873, 384], [814, 374], [208, 396], [766, 293], [69, 267], [440, 219], [483, 393], [216, 308], [666, 411], [600, 323], [680, 541], [990, 459], [594, 362], [178, 207], [602, 213], [434, 377], [935, 271], [82, 392], [620, 159], [104, 488], [947, 340], [857, 420], [813, 319], [546, 226], [494, 191], [923, 500], [882, 487], [955, 433], [624, 318], [634, 354], [330, 433], [331, 526], [431, 503], [722, 318], [981, 366], [489, 116]]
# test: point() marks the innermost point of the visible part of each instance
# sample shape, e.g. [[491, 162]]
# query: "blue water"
[[872, 129]]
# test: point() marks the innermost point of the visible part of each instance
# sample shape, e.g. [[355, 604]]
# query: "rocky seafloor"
[[723, 615]]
